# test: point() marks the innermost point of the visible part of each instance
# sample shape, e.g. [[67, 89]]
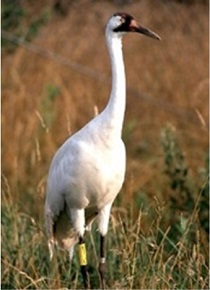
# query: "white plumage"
[[88, 170]]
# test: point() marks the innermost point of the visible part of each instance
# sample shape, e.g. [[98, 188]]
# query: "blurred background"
[[56, 77]]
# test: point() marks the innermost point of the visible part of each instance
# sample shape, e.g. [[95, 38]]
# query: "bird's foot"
[[85, 276], [102, 271]]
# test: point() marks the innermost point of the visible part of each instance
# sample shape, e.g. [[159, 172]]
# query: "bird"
[[88, 170]]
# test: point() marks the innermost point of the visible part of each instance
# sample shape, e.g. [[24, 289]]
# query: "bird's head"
[[121, 23]]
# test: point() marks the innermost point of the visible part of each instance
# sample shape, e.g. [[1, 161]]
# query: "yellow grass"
[[44, 101]]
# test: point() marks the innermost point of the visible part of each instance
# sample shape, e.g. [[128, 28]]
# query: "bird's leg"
[[83, 262], [102, 266]]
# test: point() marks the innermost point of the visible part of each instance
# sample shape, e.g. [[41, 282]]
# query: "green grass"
[[151, 245], [136, 259]]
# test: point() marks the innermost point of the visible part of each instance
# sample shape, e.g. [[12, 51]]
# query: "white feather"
[[88, 170]]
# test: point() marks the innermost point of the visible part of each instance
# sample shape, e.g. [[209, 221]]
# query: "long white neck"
[[115, 108]]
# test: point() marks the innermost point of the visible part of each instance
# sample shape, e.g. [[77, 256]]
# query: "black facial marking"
[[126, 20]]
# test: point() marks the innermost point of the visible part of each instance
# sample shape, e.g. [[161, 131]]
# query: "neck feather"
[[115, 108]]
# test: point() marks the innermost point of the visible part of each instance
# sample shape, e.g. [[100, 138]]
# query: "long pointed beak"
[[135, 27]]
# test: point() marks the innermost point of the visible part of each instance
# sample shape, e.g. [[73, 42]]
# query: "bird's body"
[[88, 170], [95, 186], [86, 174]]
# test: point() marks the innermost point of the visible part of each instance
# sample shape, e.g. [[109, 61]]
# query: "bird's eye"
[[122, 20]]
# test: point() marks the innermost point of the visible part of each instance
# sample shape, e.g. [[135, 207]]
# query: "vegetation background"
[[55, 78]]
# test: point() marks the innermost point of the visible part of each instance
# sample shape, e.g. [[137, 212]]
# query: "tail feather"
[[61, 232], [64, 234]]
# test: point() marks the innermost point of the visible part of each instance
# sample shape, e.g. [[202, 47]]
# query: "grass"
[[135, 259], [16, 17], [158, 234], [171, 253]]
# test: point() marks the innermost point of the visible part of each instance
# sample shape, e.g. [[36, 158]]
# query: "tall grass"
[[158, 234], [172, 253], [134, 260]]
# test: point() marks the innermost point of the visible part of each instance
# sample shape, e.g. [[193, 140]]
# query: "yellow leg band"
[[82, 255]]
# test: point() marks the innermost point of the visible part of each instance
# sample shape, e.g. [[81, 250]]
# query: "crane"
[[88, 170]]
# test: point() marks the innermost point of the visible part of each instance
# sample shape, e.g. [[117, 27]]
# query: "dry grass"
[[44, 101], [136, 260], [173, 72]]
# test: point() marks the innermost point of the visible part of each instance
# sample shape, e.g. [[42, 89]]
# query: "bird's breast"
[[88, 172], [105, 174]]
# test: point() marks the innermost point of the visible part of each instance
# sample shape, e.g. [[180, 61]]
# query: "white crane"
[[87, 171]]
